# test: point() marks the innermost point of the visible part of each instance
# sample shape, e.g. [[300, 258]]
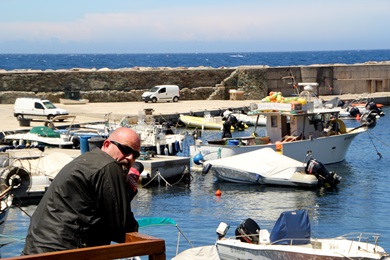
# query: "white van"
[[162, 93], [36, 107]]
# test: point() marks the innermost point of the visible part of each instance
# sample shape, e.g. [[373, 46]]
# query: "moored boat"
[[41, 135], [298, 128], [354, 109], [290, 238], [206, 122], [266, 166], [162, 139]]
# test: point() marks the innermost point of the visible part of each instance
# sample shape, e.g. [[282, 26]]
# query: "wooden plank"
[[136, 245]]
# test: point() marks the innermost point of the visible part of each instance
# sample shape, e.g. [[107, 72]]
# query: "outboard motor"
[[197, 134], [325, 178], [248, 231], [354, 111], [371, 106], [76, 141], [369, 118]]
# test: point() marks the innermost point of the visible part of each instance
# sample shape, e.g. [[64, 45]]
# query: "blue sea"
[[360, 204], [215, 60]]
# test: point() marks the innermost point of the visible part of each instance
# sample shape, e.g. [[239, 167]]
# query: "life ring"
[[19, 177]]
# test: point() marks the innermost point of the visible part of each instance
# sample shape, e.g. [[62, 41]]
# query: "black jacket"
[[87, 204]]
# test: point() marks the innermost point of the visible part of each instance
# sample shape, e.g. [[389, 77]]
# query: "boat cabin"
[[289, 126]]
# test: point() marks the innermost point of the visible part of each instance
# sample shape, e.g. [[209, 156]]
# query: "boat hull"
[[299, 179], [214, 123], [318, 249], [329, 149], [164, 169], [22, 139]]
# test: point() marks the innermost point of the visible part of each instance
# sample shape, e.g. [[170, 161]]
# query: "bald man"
[[88, 202]]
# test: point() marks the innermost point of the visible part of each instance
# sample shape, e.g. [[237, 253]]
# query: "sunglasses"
[[126, 150]]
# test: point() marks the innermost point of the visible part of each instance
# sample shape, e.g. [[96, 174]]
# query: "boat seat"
[[264, 236]]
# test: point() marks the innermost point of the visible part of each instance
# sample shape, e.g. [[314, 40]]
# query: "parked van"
[[162, 93], [36, 107]]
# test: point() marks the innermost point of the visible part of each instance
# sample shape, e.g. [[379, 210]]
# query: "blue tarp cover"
[[145, 222], [291, 227]]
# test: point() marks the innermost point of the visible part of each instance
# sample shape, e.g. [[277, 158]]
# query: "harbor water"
[[360, 204]]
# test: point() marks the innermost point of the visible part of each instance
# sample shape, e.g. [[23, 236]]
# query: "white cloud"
[[256, 22]]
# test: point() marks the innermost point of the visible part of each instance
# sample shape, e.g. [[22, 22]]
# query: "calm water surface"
[[361, 203]]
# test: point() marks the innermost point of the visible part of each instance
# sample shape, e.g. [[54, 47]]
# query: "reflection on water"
[[361, 202]]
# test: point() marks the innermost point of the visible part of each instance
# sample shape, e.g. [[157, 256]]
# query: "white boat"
[[265, 166], [242, 116], [251, 120], [35, 170], [41, 135], [290, 238], [209, 122], [162, 139], [297, 132]]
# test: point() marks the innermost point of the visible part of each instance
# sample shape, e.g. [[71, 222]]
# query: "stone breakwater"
[[198, 83]]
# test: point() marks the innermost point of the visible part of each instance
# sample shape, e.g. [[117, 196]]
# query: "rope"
[[22, 210], [158, 175], [377, 152]]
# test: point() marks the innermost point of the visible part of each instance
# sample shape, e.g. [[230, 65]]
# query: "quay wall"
[[199, 83]]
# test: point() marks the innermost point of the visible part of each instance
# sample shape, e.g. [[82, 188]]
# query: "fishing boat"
[[272, 168], [290, 238], [296, 128]]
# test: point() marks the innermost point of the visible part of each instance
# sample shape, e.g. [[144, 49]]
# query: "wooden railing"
[[136, 244]]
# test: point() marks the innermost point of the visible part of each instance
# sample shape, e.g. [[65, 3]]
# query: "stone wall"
[[126, 85]]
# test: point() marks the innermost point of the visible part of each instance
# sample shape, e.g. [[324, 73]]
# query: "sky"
[[187, 26]]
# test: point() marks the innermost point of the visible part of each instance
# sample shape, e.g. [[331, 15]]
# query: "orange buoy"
[[218, 193], [358, 117], [279, 146]]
